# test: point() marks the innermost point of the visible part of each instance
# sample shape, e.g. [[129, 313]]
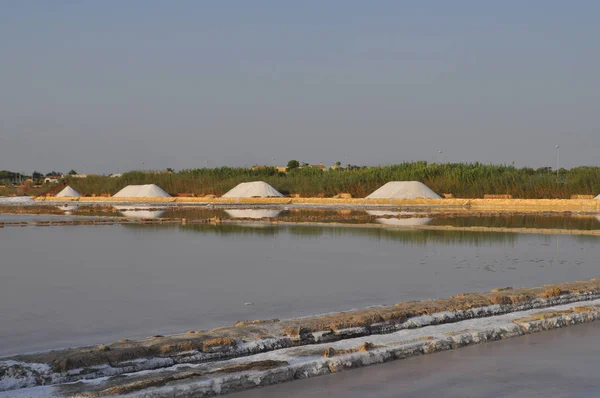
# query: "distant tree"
[[72, 172], [37, 175], [338, 164], [543, 170], [293, 164], [355, 167], [170, 170]]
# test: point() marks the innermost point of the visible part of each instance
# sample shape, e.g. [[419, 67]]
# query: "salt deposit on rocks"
[[160, 377], [404, 190], [17, 200], [254, 189], [142, 191], [68, 192]]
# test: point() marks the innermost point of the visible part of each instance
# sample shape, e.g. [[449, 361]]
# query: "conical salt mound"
[[597, 197], [68, 192], [404, 190], [142, 191], [255, 189]]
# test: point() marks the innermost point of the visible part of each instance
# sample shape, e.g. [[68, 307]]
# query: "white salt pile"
[[597, 197], [68, 192], [253, 213], [400, 222], [17, 200], [404, 190], [254, 189], [142, 191]]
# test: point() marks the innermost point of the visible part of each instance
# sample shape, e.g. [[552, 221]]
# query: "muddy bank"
[[209, 378], [253, 337]]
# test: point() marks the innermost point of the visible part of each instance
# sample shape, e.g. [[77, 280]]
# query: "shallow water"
[[390, 216], [63, 286]]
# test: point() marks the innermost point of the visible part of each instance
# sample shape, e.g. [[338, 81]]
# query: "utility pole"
[[557, 160]]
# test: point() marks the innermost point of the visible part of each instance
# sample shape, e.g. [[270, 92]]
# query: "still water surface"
[[68, 286]]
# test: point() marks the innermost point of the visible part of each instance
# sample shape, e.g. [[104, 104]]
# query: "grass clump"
[[218, 342], [255, 322], [257, 365], [497, 299], [295, 332], [501, 289], [365, 347], [551, 292], [178, 347]]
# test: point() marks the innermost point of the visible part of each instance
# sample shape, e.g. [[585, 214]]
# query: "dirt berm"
[[247, 337], [588, 205]]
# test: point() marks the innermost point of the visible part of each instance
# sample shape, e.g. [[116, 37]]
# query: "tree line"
[[467, 180]]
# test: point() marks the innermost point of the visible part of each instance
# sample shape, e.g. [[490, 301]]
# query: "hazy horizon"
[[106, 87]]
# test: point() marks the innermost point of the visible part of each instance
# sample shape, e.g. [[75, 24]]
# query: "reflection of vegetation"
[[522, 221], [419, 237], [360, 216], [406, 237]]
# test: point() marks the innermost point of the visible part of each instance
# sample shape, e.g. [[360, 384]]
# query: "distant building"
[[318, 166], [116, 175], [51, 180]]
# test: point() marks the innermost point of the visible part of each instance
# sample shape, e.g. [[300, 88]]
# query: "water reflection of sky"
[[137, 280]]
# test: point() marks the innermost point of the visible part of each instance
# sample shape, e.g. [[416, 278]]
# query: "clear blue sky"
[[109, 85]]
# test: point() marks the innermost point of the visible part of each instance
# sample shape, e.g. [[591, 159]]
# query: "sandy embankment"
[[587, 205], [262, 352]]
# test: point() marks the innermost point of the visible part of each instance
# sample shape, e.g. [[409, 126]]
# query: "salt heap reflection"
[[253, 213], [401, 222], [141, 212]]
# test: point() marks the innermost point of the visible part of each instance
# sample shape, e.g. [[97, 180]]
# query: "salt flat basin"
[[70, 286]]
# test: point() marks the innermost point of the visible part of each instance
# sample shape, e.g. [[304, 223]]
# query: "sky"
[[110, 86]]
